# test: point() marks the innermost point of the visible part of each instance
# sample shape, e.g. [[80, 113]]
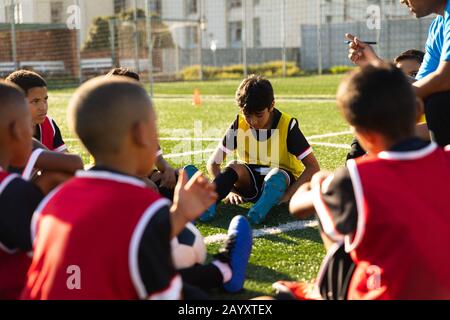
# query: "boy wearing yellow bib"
[[269, 152]]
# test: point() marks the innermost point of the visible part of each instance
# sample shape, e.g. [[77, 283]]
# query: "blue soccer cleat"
[[190, 170], [209, 214], [274, 189], [237, 248]]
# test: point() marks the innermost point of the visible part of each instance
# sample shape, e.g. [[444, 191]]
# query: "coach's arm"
[[438, 81]]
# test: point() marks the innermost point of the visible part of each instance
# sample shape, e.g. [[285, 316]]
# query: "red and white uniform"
[[399, 239], [18, 199], [49, 135], [112, 232]]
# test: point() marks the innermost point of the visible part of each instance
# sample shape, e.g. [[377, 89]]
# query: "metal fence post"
[[148, 22], [112, 40], [283, 35], [136, 37], [319, 36], [13, 34], [78, 36], [244, 37]]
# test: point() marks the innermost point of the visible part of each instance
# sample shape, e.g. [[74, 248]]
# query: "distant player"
[[164, 177], [384, 218], [271, 152], [410, 62], [45, 128]]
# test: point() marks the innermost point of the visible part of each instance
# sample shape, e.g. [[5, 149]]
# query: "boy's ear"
[[366, 138], [13, 130], [272, 106], [138, 134]]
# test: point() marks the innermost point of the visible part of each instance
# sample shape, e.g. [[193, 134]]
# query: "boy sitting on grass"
[[270, 150], [384, 218], [45, 129], [18, 198], [105, 226], [164, 177]]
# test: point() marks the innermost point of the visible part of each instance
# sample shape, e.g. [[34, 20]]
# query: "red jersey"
[[401, 242], [13, 263], [49, 135], [88, 236]]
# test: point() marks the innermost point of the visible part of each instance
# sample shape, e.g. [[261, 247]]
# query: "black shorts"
[[437, 110], [335, 274], [258, 174]]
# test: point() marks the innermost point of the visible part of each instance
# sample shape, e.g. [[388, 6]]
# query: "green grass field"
[[292, 255]]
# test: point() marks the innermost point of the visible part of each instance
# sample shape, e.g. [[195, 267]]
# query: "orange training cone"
[[197, 98]]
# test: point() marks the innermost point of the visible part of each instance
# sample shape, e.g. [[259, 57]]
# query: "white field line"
[[319, 136], [231, 99], [331, 145], [190, 139], [291, 226], [189, 153], [329, 135]]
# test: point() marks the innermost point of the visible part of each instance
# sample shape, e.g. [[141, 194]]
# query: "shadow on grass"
[[225, 212], [310, 234], [255, 273]]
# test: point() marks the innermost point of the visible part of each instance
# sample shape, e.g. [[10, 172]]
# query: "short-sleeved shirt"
[[437, 48], [18, 201], [296, 142]]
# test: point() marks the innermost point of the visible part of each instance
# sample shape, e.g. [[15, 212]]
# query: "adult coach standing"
[[433, 80]]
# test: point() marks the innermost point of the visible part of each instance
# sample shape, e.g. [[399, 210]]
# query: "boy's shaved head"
[[13, 103], [103, 111], [15, 126]]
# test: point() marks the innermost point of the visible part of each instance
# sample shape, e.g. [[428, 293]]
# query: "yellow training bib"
[[271, 152]]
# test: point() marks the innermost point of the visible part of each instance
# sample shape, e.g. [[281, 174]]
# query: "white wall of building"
[[219, 17]]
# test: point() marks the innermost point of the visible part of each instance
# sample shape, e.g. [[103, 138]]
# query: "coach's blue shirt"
[[437, 48]]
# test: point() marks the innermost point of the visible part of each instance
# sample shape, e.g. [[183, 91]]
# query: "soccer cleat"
[[274, 189], [236, 252], [190, 170], [209, 214]]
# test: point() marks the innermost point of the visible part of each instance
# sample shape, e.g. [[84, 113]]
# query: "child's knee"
[[277, 178], [238, 167]]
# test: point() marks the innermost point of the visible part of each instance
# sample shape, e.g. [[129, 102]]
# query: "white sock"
[[224, 269]]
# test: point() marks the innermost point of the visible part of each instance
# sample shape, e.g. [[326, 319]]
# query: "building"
[[54, 11], [224, 19]]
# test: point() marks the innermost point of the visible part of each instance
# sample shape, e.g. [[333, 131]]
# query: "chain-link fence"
[[70, 41]]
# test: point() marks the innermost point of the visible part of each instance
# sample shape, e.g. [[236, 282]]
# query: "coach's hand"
[[359, 52]]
